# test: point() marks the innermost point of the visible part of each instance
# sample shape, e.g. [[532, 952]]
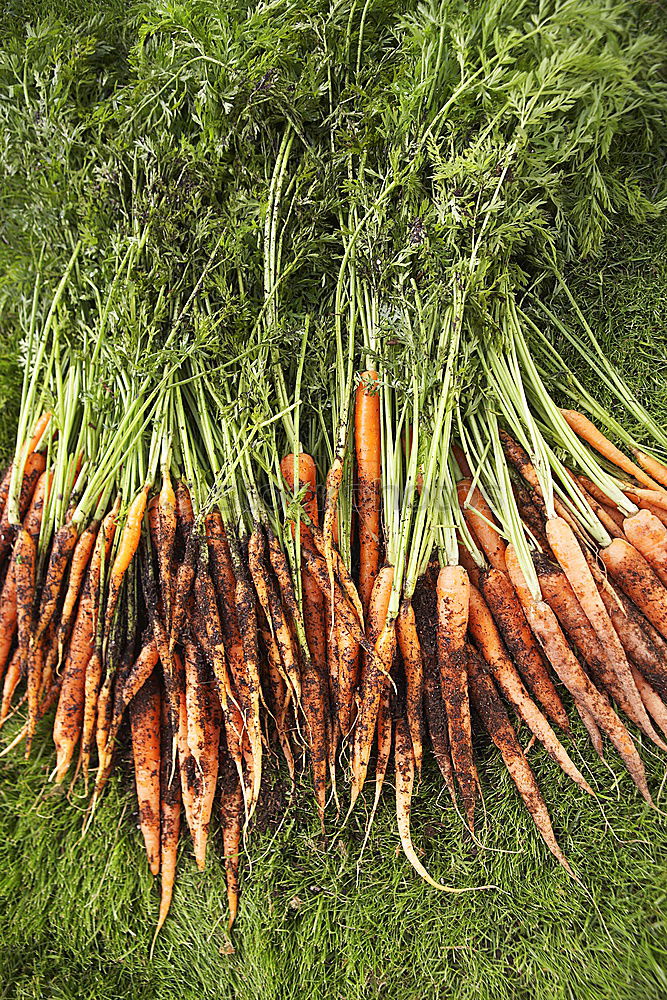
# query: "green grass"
[[77, 914]]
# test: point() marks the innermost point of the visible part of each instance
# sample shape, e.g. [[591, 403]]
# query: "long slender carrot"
[[413, 666], [642, 643], [34, 467], [655, 469], [272, 607], [129, 542], [205, 753], [567, 551], [367, 442], [307, 485], [375, 677], [280, 697], [488, 641], [80, 559], [12, 678], [168, 526], [649, 536], [654, 703], [544, 624], [453, 592], [481, 523], [4, 488], [634, 575], [212, 636], [497, 723], [510, 619], [145, 714], [587, 430], [231, 816], [246, 614], [64, 543], [592, 729], [38, 431], [170, 816], [558, 593]]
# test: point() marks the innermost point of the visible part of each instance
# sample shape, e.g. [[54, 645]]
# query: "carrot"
[[38, 432], [167, 535], [186, 762], [34, 467], [608, 517], [375, 677], [517, 578], [405, 777], [636, 578], [649, 536], [129, 542], [544, 624], [280, 697], [558, 593], [170, 816], [587, 430], [344, 611], [63, 546], [409, 645], [145, 724], [488, 641], [453, 592], [333, 484], [367, 441], [591, 728], [314, 694], [212, 634], [185, 578], [642, 643], [80, 558], [231, 817], [654, 703], [307, 484], [136, 677], [12, 678], [4, 488], [531, 515], [203, 729], [655, 469], [24, 562], [71, 704], [462, 462], [246, 614], [481, 523], [340, 570], [272, 607], [511, 621], [348, 657], [567, 551], [496, 721]]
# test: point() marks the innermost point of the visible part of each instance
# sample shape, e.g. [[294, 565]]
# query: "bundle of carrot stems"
[[301, 471]]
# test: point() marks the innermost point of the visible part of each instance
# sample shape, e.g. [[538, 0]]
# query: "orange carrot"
[[409, 645], [481, 523], [641, 641], [558, 593], [145, 723], [453, 591], [655, 469], [567, 551], [129, 542], [591, 728], [231, 816], [544, 624], [12, 679], [307, 483], [634, 575], [654, 703], [38, 432], [510, 619], [80, 558], [497, 723], [587, 430], [367, 440], [375, 677], [488, 641], [649, 536], [170, 816], [63, 546], [34, 467]]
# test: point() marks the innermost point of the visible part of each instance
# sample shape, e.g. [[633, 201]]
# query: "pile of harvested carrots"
[[307, 490]]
